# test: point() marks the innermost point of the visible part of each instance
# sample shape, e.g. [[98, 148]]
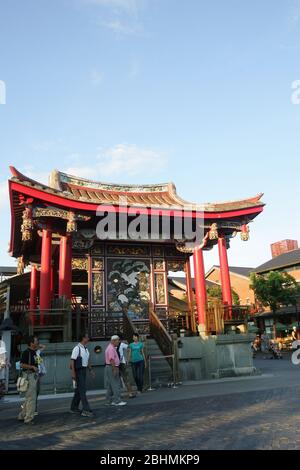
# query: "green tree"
[[215, 292], [274, 290]]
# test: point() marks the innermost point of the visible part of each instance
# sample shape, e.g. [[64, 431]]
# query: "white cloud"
[[130, 6], [120, 16], [126, 160]]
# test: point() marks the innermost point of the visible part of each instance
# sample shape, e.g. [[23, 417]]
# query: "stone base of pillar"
[[202, 331]]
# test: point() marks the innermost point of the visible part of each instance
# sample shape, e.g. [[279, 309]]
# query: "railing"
[[236, 313], [128, 327], [103, 325], [178, 321], [166, 343], [218, 316], [215, 318], [160, 334], [50, 321]]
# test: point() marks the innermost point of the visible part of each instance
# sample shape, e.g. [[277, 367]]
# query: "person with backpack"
[[29, 372], [79, 365]]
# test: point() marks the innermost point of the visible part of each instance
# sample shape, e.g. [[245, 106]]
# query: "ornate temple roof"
[[164, 196]]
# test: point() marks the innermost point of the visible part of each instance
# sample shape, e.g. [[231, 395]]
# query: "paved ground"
[[253, 413]]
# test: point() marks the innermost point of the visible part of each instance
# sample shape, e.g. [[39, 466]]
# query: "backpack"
[[78, 360]]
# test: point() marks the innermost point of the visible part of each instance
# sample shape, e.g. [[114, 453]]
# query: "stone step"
[[161, 372]]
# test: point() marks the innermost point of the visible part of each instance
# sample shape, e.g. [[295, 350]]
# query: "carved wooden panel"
[[158, 265], [158, 251], [97, 264], [97, 250], [176, 265], [128, 250], [97, 290], [80, 264], [160, 288]]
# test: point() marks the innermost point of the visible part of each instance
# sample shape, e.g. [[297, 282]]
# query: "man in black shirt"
[[29, 369]]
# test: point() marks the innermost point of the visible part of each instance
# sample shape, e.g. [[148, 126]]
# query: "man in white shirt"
[[79, 365], [122, 352]]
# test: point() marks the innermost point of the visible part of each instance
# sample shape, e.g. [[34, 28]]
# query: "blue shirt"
[[136, 352]]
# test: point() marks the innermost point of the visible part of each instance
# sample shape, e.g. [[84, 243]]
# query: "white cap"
[[114, 338]]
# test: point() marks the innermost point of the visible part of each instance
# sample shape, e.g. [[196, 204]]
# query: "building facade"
[[98, 252]]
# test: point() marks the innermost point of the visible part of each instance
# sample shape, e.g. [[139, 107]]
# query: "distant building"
[[287, 262], [287, 317], [6, 272], [284, 246], [177, 286], [240, 282]]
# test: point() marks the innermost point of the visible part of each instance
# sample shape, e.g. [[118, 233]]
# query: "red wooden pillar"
[[33, 293], [225, 275], [45, 276], [52, 283], [65, 268], [189, 293], [200, 286]]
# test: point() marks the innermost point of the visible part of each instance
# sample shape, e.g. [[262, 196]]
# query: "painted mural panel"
[[128, 287]]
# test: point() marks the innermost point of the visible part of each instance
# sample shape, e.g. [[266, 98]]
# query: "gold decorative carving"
[[59, 213], [245, 233], [158, 265], [80, 263], [71, 224], [50, 212], [97, 250], [97, 288], [159, 285], [21, 265], [119, 250], [97, 264], [176, 266], [79, 244], [27, 225], [213, 233], [185, 247]]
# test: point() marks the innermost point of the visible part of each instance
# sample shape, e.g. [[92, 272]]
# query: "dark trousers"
[[138, 369], [80, 391], [38, 389]]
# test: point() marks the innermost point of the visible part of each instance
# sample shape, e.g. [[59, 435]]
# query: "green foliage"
[[215, 292], [275, 289]]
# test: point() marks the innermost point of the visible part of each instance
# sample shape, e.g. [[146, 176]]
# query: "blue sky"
[[197, 92]]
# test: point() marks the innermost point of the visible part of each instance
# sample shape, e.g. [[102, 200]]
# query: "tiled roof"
[[240, 270], [285, 260], [180, 282], [8, 270], [156, 195]]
